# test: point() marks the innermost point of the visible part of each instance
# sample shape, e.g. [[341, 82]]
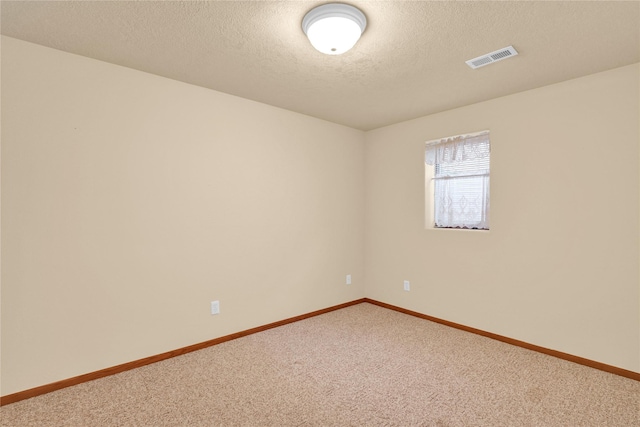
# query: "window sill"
[[474, 230]]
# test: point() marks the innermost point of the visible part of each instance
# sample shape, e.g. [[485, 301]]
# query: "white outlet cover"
[[348, 279], [407, 285], [215, 307]]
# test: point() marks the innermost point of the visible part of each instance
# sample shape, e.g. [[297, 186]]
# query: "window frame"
[[474, 149]]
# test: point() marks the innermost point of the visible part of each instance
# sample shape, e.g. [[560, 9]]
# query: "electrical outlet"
[[215, 307], [348, 279], [407, 286]]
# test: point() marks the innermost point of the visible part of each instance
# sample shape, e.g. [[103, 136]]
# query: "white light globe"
[[333, 36], [334, 28]]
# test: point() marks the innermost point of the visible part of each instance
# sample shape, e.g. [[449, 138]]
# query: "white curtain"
[[458, 149], [461, 180]]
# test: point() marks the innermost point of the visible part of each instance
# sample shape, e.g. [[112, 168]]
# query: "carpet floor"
[[359, 366]]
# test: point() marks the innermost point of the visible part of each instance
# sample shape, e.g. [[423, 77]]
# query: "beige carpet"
[[359, 366]]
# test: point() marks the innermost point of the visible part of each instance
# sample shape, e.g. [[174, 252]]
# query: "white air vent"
[[490, 58]]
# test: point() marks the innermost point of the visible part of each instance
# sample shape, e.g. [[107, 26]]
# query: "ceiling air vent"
[[490, 58]]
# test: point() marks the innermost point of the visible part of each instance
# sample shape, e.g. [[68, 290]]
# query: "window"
[[459, 170]]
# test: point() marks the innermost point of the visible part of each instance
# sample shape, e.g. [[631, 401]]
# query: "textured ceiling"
[[408, 63]]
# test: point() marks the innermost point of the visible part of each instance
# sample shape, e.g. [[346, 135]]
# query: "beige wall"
[[559, 267], [130, 201]]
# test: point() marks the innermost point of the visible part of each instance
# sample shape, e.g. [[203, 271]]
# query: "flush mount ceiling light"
[[334, 28]]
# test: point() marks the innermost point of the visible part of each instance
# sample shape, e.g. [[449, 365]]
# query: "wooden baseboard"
[[26, 394], [571, 358], [47, 388]]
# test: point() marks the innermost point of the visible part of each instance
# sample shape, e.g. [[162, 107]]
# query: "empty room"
[[310, 213]]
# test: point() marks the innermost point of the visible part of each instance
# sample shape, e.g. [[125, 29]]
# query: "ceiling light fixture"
[[334, 28]]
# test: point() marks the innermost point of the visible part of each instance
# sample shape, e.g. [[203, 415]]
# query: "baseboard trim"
[[571, 358], [47, 388]]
